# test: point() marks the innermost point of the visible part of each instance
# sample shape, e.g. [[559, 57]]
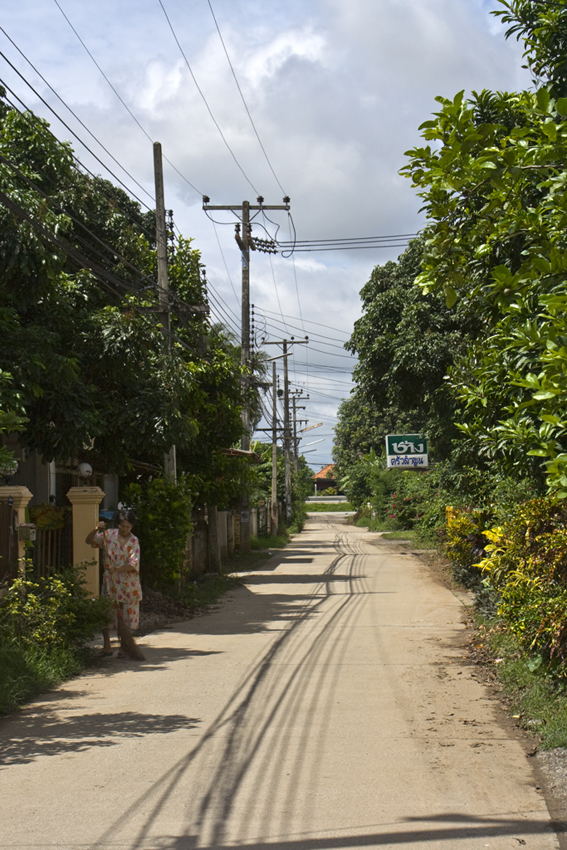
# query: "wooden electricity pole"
[[246, 244], [170, 457]]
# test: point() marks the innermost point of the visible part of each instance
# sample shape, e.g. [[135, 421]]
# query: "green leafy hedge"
[[163, 511], [45, 626]]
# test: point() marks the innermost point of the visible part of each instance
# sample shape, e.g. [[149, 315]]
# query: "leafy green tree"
[[406, 340], [80, 332], [542, 25], [494, 192]]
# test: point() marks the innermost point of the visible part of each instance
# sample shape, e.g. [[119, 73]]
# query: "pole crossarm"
[[232, 207]]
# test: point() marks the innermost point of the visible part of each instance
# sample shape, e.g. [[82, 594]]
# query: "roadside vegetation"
[[45, 627], [463, 340], [322, 507]]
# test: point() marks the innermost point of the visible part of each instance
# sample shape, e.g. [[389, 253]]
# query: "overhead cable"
[[308, 321], [78, 138], [244, 101], [74, 114], [79, 166], [217, 125], [123, 102]]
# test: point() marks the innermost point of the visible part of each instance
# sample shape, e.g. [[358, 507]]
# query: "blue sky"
[[336, 90]]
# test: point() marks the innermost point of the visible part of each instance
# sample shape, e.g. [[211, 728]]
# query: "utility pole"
[[246, 244], [287, 431], [170, 457], [275, 451], [295, 397]]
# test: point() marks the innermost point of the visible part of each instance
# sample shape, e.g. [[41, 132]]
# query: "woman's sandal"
[[121, 654], [103, 653]]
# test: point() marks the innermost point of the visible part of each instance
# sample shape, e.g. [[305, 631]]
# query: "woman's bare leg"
[[106, 638]]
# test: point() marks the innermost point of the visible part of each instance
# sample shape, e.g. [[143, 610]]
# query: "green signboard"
[[406, 451]]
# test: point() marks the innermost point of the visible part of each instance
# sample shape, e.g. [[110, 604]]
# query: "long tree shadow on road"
[[39, 733], [465, 828]]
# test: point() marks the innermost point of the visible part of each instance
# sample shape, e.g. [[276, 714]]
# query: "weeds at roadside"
[[269, 541], [412, 536], [27, 672], [331, 507], [536, 690]]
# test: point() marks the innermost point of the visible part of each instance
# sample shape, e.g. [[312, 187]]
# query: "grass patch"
[[537, 691], [269, 541], [372, 524], [401, 535], [26, 672], [322, 507]]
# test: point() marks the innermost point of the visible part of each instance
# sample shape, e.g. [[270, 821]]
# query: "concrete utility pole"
[[170, 457], [287, 430], [246, 244], [274, 512], [296, 396]]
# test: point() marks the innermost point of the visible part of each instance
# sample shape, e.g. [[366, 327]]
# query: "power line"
[[79, 166], [340, 239], [123, 102], [58, 208], [223, 257], [243, 100], [352, 247], [66, 105], [109, 248], [217, 125], [321, 366], [276, 289], [221, 300], [275, 323], [308, 321], [108, 279], [92, 153]]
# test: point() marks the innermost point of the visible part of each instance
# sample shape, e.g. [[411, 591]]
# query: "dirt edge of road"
[[549, 767]]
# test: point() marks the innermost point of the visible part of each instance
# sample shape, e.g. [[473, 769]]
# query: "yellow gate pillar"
[[20, 500], [85, 501]]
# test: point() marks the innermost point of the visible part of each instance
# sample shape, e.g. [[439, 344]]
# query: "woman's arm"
[[91, 535]]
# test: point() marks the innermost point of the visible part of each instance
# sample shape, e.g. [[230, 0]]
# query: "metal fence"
[[53, 550]]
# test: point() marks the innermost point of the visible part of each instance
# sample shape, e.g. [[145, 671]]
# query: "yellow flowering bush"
[[526, 564], [465, 542]]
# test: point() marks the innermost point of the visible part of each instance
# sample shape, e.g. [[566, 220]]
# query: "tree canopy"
[[479, 345], [80, 332]]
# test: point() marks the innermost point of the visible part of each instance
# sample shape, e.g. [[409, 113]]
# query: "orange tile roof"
[[323, 472]]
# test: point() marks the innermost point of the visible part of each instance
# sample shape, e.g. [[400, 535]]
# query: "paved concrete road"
[[327, 704]]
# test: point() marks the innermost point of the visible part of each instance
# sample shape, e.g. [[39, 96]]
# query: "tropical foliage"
[[464, 338]]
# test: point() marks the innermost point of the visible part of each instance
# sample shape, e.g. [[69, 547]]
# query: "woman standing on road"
[[121, 577]]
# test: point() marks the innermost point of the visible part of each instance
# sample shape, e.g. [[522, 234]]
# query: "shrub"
[[163, 511], [401, 497], [45, 625], [526, 563], [51, 612]]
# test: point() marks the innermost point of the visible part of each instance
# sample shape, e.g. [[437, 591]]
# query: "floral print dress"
[[122, 586]]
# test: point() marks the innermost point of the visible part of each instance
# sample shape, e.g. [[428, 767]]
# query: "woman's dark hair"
[[124, 516]]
